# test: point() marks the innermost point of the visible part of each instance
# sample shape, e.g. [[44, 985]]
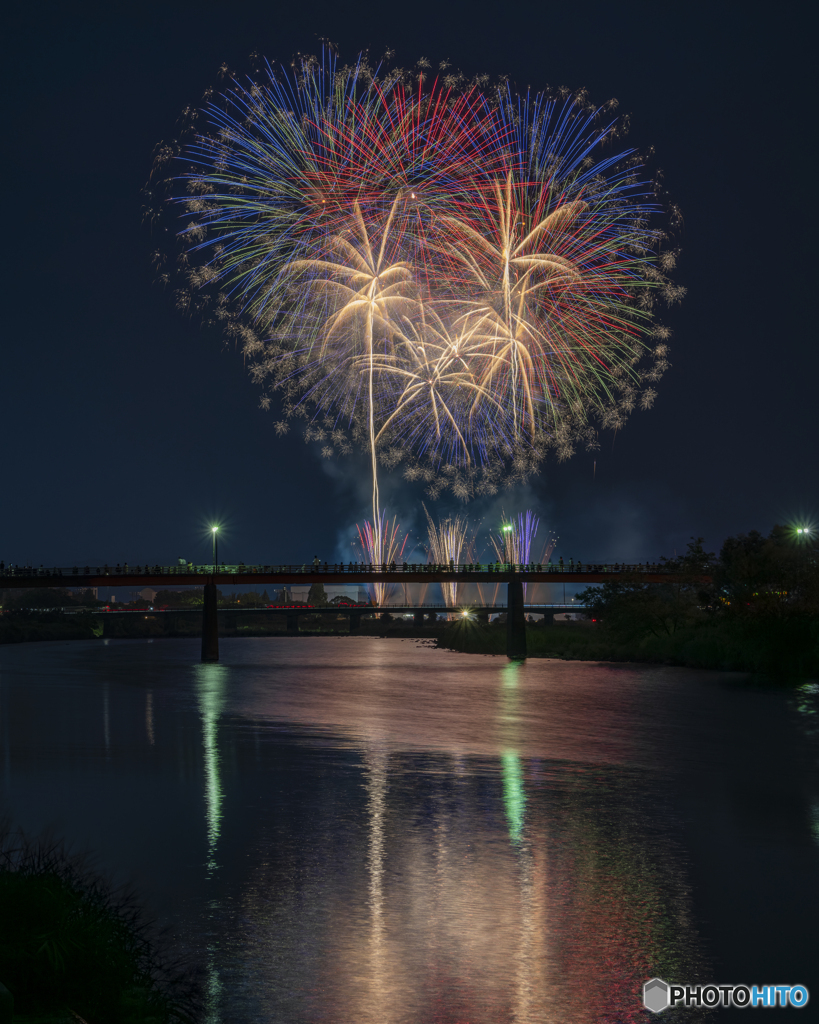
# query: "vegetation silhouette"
[[72, 944]]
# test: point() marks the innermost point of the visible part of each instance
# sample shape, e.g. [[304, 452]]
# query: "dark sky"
[[126, 428]]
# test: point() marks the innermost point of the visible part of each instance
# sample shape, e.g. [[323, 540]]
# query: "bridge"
[[209, 577]]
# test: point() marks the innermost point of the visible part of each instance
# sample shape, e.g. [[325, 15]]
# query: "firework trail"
[[515, 542], [448, 543], [459, 279], [381, 547]]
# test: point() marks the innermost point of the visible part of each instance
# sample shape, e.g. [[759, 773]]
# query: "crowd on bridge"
[[338, 568]]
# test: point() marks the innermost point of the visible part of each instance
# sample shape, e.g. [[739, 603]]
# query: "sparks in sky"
[[459, 278], [448, 543]]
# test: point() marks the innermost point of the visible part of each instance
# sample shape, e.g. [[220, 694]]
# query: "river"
[[369, 831]]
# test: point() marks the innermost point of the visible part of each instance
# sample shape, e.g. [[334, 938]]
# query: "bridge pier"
[[210, 624], [515, 622], [419, 618], [292, 623], [355, 622]]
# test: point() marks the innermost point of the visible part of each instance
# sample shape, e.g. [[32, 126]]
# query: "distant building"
[[353, 592]]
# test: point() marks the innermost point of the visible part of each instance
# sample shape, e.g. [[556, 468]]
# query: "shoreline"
[[767, 650], [711, 648]]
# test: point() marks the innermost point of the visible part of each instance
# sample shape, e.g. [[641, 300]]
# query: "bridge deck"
[[327, 609], [167, 577]]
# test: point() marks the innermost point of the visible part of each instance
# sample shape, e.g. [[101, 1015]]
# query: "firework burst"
[[457, 278]]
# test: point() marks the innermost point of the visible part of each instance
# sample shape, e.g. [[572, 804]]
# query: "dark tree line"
[[760, 592]]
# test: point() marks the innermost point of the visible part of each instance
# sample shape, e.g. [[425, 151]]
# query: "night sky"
[[127, 429]]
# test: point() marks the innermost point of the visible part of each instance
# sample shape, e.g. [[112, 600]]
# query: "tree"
[[182, 598], [317, 595], [44, 597], [774, 575], [250, 599], [632, 608]]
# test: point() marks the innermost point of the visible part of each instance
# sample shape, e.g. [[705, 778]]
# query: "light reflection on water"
[[366, 830], [211, 682], [451, 917]]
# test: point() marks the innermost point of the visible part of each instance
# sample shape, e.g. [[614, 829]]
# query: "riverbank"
[[783, 648], [29, 628], [787, 649], [75, 948]]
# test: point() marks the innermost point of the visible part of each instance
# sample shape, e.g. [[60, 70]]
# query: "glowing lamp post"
[[210, 625], [507, 528]]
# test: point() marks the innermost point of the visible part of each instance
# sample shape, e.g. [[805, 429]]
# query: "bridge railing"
[[64, 574], [301, 609]]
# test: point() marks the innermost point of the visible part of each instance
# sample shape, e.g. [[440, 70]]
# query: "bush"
[[72, 944], [781, 649], [21, 627]]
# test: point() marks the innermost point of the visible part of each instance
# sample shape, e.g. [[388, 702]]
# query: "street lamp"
[[213, 530], [507, 528]]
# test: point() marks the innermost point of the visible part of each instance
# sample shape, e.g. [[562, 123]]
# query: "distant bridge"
[[351, 572], [212, 576]]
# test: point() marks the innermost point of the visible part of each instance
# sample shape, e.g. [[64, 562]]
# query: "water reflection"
[[210, 688], [490, 882], [806, 701], [149, 716], [211, 683], [106, 722], [514, 794], [376, 769], [368, 831]]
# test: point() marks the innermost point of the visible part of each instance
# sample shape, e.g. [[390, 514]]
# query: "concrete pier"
[[210, 624], [515, 622]]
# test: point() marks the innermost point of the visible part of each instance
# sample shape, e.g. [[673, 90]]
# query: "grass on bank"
[[24, 627], [71, 945], [787, 648]]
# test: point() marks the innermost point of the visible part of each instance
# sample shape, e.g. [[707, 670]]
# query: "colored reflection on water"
[[211, 682], [374, 831], [210, 691]]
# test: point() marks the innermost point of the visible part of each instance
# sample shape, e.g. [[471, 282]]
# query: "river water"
[[370, 831]]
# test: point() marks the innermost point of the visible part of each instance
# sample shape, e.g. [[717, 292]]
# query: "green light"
[[214, 529], [514, 795], [506, 529], [211, 699]]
